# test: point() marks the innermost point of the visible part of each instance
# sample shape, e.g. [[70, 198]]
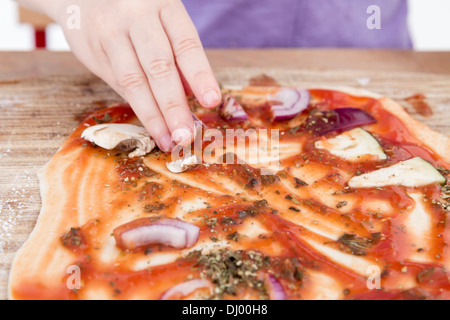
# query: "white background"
[[429, 22]]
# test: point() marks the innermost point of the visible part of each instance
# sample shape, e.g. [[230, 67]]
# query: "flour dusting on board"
[[13, 204], [16, 203]]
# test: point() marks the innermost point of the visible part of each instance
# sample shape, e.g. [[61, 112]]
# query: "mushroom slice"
[[123, 136], [183, 164]]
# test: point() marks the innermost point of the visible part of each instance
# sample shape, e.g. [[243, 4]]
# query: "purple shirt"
[[299, 23]]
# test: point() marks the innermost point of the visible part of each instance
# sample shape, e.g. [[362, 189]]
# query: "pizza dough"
[[303, 231]]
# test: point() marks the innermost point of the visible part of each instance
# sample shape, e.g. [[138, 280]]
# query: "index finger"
[[190, 55]]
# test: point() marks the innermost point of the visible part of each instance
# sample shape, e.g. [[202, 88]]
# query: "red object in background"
[[40, 38]]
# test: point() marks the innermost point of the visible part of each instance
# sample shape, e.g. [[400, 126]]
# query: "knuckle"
[[153, 120], [186, 45], [159, 68], [201, 76], [167, 4], [111, 32], [107, 28], [173, 107], [131, 81], [136, 9]]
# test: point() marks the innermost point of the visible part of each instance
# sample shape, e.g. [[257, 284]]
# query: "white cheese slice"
[[126, 137], [414, 172], [352, 145]]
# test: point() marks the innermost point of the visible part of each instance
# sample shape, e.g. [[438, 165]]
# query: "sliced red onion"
[[143, 232], [231, 109], [198, 121], [186, 288], [341, 119], [192, 231], [146, 235], [292, 103], [277, 292]]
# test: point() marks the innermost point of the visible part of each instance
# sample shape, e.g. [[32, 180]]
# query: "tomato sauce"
[[227, 214]]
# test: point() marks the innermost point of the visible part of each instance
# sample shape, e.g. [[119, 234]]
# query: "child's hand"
[[146, 50]]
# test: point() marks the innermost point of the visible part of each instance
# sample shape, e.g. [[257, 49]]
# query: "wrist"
[[55, 9]]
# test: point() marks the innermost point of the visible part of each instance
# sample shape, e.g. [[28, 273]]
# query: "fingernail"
[[166, 143], [211, 98], [182, 135]]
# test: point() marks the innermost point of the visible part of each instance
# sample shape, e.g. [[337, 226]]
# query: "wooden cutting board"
[[37, 115]]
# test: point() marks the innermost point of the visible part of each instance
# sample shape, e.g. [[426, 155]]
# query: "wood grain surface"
[[17, 65], [36, 115]]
